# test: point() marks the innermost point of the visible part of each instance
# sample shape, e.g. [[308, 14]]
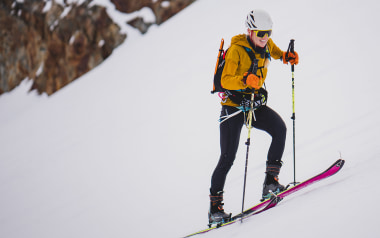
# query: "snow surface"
[[128, 149]]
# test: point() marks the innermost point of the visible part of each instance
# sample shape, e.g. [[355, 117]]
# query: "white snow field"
[[128, 149]]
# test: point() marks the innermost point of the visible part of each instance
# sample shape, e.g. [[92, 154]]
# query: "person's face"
[[257, 40]]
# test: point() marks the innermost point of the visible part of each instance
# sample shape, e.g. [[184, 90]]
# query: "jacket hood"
[[240, 40]]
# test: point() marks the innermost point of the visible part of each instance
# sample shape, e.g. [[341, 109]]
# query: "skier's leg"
[[229, 142], [269, 121]]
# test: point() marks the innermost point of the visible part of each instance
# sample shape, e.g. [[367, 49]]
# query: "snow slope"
[[128, 149]]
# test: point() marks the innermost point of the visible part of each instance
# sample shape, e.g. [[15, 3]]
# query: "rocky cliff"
[[54, 44]]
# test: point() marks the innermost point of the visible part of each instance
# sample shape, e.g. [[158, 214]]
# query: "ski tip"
[[340, 163]]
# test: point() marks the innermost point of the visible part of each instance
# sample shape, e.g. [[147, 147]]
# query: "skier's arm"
[[237, 64], [275, 51]]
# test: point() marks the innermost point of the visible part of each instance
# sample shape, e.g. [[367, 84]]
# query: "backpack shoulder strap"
[[253, 59], [250, 53]]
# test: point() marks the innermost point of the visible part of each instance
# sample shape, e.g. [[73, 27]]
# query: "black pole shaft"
[[245, 176], [291, 49], [294, 135]]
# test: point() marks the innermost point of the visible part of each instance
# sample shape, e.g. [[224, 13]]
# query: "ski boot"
[[271, 185], [216, 214]]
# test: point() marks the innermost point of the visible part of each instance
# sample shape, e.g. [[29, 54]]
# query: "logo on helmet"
[[250, 22]]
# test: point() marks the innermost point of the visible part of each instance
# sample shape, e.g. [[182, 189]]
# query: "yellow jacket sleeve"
[[237, 62], [274, 50]]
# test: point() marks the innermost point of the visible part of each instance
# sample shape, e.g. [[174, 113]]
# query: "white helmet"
[[258, 20]]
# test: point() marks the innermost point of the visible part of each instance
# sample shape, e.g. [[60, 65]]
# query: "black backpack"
[[236, 96], [220, 62]]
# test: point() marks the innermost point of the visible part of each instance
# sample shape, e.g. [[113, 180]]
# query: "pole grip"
[[290, 49], [291, 45]]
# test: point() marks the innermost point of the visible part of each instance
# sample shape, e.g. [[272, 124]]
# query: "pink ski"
[[272, 202]]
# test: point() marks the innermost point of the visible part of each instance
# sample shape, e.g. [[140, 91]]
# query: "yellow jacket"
[[237, 62]]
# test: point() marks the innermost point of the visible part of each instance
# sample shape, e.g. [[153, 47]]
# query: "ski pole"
[[291, 49], [250, 118], [218, 60], [219, 54]]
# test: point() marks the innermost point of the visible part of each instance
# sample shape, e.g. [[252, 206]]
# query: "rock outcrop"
[[54, 44]]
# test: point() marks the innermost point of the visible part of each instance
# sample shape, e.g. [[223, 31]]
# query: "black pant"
[[267, 120]]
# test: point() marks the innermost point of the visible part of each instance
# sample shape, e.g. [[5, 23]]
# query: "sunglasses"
[[261, 34]]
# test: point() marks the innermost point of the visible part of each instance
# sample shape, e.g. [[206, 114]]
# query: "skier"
[[240, 84]]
